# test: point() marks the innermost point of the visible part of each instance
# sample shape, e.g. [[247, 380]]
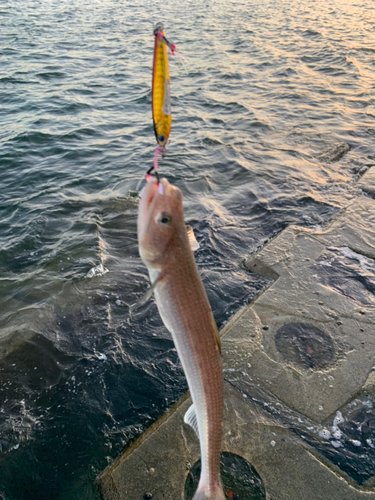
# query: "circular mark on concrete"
[[240, 480], [304, 345]]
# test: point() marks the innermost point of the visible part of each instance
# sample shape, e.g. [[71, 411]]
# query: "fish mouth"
[[148, 194], [152, 188]]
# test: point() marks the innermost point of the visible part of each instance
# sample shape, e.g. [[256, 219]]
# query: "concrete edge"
[[366, 487], [101, 479]]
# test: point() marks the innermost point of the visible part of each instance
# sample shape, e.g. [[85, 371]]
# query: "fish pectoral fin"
[[190, 418], [148, 294], [194, 245]]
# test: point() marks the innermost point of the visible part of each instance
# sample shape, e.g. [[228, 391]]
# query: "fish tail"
[[202, 493]]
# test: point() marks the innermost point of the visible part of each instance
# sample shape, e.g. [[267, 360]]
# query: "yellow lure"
[[161, 96]]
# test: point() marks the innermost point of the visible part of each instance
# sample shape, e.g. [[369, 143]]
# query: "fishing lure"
[[161, 94]]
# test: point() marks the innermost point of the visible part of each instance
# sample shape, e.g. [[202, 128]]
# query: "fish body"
[[185, 310]]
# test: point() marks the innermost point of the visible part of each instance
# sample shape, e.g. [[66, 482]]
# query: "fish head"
[[160, 218]]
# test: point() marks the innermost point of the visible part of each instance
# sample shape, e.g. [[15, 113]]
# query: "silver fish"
[[185, 310]]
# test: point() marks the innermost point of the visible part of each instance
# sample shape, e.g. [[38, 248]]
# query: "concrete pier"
[[299, 369]]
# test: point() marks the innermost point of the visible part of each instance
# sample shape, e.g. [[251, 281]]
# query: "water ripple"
[[271, 87]]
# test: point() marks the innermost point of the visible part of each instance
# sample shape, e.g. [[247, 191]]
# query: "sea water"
[[272, 86]]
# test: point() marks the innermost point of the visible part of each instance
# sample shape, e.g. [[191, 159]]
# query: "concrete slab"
[[158, 467], [302, 296], [299, 369]]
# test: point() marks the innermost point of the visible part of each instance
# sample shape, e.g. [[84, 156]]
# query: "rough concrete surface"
[[299, 375]]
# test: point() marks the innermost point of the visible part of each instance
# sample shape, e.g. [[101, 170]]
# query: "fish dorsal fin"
[[218, 343], [194, 245], [190, 418], [216, 334]]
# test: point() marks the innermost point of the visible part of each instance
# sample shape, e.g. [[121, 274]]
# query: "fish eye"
[[165, 218]]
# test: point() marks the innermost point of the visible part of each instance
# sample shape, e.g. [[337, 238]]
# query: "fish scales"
[[185, 310], [184, 307]]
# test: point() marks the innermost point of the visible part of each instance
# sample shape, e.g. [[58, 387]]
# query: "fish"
[[183, 305]]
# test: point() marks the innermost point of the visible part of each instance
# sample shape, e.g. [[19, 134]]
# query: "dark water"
[[271, 86]]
